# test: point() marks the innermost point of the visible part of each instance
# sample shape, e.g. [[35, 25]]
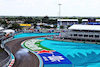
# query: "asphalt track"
[[22, 57]]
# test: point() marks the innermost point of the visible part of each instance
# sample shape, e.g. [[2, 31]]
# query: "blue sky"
[[50, 7]]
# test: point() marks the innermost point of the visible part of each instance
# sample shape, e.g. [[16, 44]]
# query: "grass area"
[[1, 50], [38, 43], [26, 46]]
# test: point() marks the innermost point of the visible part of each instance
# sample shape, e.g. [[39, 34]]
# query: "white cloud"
[[50, 7]]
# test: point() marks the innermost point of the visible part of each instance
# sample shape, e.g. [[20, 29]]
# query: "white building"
[[19, 22], [89, 33], [64, 22], [98, 20], [84, 21], [45, 24]]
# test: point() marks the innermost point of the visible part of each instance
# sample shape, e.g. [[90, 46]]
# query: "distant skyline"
[[82, 8]]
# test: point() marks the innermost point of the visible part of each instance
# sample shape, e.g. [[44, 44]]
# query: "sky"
[[90, 8]]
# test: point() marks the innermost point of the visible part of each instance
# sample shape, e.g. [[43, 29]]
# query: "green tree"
[[20, 18], [37, 20], [35, 25], [47, 27], [79, 20], [61, 27], [16, 26], [53, 21], [29, 20], [3, 23], [68, 26], [55, 26], [45, 19]]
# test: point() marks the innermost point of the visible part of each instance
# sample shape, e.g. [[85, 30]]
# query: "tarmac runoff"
[[15, 46], [46, 56]]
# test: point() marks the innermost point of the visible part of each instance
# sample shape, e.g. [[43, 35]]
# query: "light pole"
[[59, 10], [58, 24]]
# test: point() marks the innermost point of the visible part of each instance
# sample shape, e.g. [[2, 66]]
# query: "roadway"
[[23, 58]]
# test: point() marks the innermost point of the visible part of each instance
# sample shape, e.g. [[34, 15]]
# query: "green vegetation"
[[16, 26], [72, 41], [46, 26], [39, 45], [0, 41], [80, 20], [55, 26], [27, 47], [47, 20], [68, 26], [39, 42], [61, 27], [3, 22], [52, 21], [96, 43], [1, 49], [37, 19], [83, 42]]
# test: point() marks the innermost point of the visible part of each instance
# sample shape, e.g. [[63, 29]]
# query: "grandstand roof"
[[85, 27], [84, 19], [67, 20], [97, 19]]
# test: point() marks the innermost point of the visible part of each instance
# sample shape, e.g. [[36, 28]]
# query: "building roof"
[[42, 24], [97, 19], [84, 19], [67, 20], [85, 27], [87, 19]]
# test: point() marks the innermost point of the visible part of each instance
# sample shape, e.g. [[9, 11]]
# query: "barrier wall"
[[6, 62], [72, 41]]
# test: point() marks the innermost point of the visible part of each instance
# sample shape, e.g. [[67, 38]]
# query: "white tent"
[[7, 31], [85, 27], [1, 28]]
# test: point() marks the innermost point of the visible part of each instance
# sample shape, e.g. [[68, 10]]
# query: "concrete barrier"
[[72, 41], [6, 61]]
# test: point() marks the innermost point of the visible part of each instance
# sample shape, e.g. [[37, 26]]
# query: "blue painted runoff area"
[[80, 54], [12, 56], [34, 34], [54, 58]]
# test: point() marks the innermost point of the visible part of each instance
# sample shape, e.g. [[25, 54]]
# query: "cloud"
[[50, 7]]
